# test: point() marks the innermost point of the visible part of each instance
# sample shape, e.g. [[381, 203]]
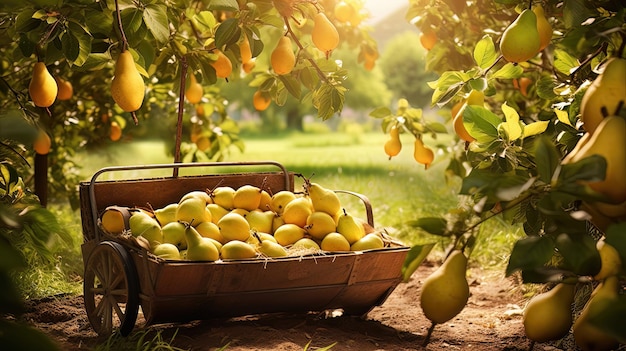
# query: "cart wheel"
[[111, 289]]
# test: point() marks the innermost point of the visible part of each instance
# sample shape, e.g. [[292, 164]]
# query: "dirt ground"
[[490, 321]]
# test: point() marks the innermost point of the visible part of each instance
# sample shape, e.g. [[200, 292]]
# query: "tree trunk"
[[41, 178], [294, 119]]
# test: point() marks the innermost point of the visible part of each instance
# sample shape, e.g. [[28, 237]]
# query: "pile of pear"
[[551, 315], [605, 135], [245, 223]]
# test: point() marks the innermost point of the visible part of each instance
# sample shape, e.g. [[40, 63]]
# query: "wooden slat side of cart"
[[176, 291]]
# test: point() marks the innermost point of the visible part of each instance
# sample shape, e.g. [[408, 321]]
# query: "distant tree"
[[403, 66]]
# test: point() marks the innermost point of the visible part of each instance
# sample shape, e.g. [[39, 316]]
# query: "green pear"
[[236, 249], [606, 93], [609, 142], [223, 196], [323, 200], [198, 247], [370, 241], [520, 40], [210, 230], [610, 260], [319, 223], [445, 292], [260, 220], [193, 210], [174, 233], [280, 200], [586, 335], [142, 224], [166, 214], [234, 227], [196, 194], [217, 212], [247, 197], [548, 316], [297, 211], [167, 251], [350, 227], [288, 234], [335, 242]]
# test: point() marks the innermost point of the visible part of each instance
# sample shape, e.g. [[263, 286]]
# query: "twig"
[[120, 26], [299, 44], [428, 334]]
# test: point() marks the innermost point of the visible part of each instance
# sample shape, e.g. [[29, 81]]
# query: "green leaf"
[[579, 253], [485, 52], [512, 124], [535, 128], [592, 168], [71, 46], [432, 225], [481, 123], [616, 238], [155, 17], [547, 158], [564, 62], [563, 116], [528, 253], [227, 33], [508, 71], [291, 84], [381, 112], [609, 317], [414, 259], [437, 127], [545, 88], [224, 5]]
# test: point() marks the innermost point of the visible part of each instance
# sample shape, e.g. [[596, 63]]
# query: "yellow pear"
[[370, 241], [608, 141], [166, 214], [266, 199], [223, 196], [323, 200], [297, 211], [282, 58], [236, 249], [114, 219], [234, 227], [143, 225], [318, 224], [193, 210], [127, 87], [548, 316], [280, 200], [210, 230], [335, 242], [306, 244], [604, 95], [271, 248], [260, 221], [324, 35], [543, 27], [65, 89], [445, 292], [288, 234], [611, 262], [194, 91], [520, 40], [174, 233], [167, 251], [247, 197], [350, 227], [258, 237], [393, 145], [198, 247], [217, 212], [586, 335], [196, 193], [43, 88]]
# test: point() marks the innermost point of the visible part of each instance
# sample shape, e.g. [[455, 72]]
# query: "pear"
[[277, 222], [607, 91], [297, 211], [282, 58], [240, 211], [210, 230], [166, 214], [610, 260], [198, 247], [306, 244], [586, 335], [234, 227], [196, 193], [42, 88], [323, 200], [350, 227], [609, 142], [127, 86], [270, 248], [258, 237], [247, 197], [114, 219], [445, 292], [217, 212], [318, 224], [237, 249], [266, 199], [280, 200], [223, 196], [144, 225], [543, 27], [174, 233], [193, 210], [548, 316], [288, 234], [335, 242], [520, 40], [260, 220], [167, 251], [368, 242], [324, 35]]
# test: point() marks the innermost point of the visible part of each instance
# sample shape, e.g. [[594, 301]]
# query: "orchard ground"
[[490, 321]]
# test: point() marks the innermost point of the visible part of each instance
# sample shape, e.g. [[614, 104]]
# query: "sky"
[[379, 9]]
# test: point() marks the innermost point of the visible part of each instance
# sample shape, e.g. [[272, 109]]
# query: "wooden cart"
[[120, 276]]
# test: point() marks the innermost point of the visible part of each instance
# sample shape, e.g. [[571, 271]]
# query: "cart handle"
[[175, 167], [366, 203]]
